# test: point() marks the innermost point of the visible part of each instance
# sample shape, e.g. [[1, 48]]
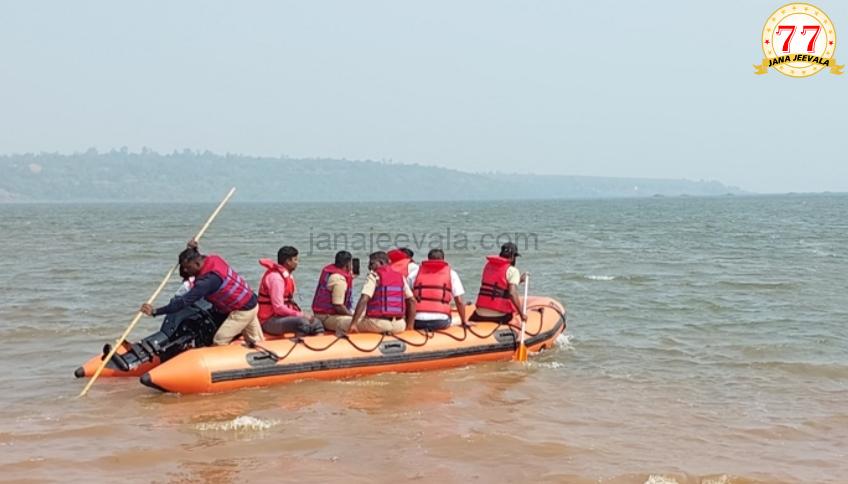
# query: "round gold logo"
[[799, 40]]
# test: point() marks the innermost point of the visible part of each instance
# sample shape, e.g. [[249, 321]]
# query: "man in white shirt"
[[411, 265], [434, 284]]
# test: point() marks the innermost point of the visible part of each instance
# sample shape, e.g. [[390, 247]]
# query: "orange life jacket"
[[266, 309], [494, 288], [432, 287], [399, 261]]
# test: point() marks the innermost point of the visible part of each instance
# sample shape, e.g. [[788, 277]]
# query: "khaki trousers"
[[239, 323], [341, 323], [371, 325], [334, 322]]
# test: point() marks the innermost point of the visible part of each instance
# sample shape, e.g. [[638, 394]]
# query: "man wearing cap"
[[498, 299]]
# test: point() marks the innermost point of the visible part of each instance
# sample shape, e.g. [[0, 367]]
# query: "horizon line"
[[124, 150]]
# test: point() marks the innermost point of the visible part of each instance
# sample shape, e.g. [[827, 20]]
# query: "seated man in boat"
[[434, 285], [401, 261], [498, 299], [278, 312], [233, 301], [332, 303], [386, 301]]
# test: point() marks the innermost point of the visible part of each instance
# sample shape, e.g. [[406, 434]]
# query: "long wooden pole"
[[152, 298]]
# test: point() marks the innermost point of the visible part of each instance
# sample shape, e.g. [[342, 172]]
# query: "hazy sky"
[[648, 89]]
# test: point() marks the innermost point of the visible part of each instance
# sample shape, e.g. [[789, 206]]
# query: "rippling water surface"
[[706, 343]]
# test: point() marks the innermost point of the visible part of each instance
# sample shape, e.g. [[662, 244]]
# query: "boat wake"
[[592, 277], [240, 423], [564, 341]]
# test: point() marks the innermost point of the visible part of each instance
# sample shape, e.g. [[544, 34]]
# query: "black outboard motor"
[[193, 327]]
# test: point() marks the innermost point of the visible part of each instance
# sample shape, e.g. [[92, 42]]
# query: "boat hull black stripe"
[[310, 366]]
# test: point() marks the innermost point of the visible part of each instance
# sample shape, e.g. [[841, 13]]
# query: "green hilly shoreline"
[[191, 176]]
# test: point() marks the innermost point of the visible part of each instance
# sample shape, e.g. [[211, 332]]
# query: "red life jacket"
[[388, 301], [266, 309], [494, 288], [322, 303], [399, 261], [396, 255], [432, 288], [234, 293], [402, 266]]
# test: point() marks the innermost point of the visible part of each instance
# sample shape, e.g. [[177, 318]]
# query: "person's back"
[[498, 299], [401, 261], [332, 303], [386, 304], [435, 284], [233, 294]]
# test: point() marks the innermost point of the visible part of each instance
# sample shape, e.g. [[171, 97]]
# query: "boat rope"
[[313, 348], [475, 333], [427, 334], [410, 343], [349, 340], [517, 327], [455, 338], [273, 355]]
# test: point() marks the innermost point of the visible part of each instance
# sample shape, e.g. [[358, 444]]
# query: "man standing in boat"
[[333, 300], [434, 284], [498, 299], [386, 302], [224, 288], [278, 311]]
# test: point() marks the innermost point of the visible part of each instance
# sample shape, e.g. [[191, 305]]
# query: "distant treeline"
[[192, 176]]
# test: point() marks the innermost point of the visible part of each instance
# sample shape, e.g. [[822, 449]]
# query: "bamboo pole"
[[152, 298]]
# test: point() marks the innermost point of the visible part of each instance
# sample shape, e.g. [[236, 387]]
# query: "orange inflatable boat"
[[271, 362], [223, 368]]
